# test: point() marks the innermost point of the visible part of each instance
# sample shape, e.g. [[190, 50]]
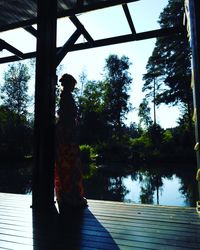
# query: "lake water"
[[154, 185], [173, 186], [168, 194]]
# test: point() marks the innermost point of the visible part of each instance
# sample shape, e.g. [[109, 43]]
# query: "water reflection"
[[164, 186]]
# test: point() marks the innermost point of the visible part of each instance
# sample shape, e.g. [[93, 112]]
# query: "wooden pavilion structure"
[[24, 14]]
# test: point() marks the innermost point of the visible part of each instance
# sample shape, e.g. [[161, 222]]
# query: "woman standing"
[[68, 175]]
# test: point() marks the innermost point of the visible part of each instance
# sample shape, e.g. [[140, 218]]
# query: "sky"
[[101, 24]]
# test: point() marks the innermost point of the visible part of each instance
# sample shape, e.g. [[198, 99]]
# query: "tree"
[[16, 130], [116, 85], [91, 120], [170, 63], [15, 88], [102, 108], [144, 113], [83, 79]]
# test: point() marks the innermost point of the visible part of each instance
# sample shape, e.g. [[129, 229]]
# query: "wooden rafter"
[[7, 46], [128, 17], [109, 41], [82, 29], [61, 52], [31, 30]]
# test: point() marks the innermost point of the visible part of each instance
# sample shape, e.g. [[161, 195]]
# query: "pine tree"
[[170, 64]]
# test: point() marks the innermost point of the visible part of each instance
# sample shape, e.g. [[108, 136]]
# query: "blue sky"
[[101, 24]]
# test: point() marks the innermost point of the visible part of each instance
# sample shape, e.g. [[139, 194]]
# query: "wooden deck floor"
[[103, 225]]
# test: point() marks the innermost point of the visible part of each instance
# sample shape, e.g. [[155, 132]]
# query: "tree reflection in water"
[[105, 185], [188, 185], [152, 181], [110, 182]]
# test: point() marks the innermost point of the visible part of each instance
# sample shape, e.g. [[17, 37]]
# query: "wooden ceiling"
[[22, 13]]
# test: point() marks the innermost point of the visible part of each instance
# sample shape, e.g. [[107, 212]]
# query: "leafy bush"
[[87, 153]]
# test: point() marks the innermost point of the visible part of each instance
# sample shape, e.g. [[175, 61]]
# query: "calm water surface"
[[165, 186], [168, 194], [158, 185]]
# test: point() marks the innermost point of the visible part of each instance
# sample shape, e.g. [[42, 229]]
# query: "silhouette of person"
[[68, 175]]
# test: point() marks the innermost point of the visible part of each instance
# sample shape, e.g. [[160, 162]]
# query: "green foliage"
[[92, 96], [85, 153], [144, 114], [150, 145], [15, 88], [169, 67], [102, 108], [167, 136], [15, 135], [155, 133], [167, 81], [92, 124], [88, 153], [91, 171], [103, 104], [140, 148], [15, 130], [158, 145], [116, 85]]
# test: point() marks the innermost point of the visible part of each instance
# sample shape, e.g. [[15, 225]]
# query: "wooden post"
[[43, 170], [193, 26]]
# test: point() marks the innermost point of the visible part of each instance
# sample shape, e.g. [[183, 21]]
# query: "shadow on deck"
[[74, 230]]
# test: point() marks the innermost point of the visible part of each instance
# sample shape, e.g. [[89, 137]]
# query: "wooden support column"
[[43, 170], [193, 16]]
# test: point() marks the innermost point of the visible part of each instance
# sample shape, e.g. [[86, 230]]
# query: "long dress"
[[68, 174]]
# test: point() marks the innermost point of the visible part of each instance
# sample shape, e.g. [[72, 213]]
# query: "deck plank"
[[103, 225]]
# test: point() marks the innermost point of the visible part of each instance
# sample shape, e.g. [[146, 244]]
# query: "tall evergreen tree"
[[170, 63], [144, 114], [116, 85]]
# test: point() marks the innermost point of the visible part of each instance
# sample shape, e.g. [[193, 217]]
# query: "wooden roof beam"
[[61, 53], [131, 37], [1, 45], [129, 19], [7, 46], [109, 41], [31, 30], [79, 26]]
